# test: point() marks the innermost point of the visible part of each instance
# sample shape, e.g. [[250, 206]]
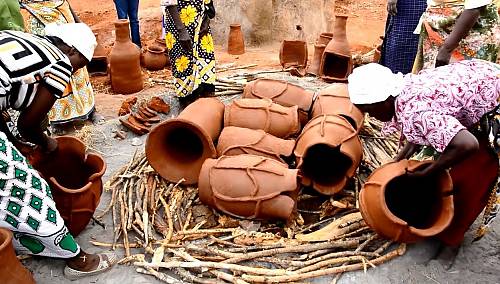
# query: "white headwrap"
[[374, 83], [77, 35]]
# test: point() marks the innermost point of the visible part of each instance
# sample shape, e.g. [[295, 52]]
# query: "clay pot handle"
[[67, 190], [271, 97]]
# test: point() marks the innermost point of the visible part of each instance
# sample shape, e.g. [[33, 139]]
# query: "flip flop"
[[106, 261]]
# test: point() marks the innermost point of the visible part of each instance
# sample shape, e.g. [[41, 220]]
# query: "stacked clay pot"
[[11, 269], [407, 209], [336, 63]]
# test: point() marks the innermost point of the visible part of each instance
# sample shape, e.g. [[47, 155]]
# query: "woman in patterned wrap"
[[453, 109], [34, 72], [190, 46]]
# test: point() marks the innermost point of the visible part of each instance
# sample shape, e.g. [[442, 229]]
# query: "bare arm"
[[184, 38], [407, 151]]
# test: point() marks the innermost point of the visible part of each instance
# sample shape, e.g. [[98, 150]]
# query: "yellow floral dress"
[[78, 99], [190, 69]]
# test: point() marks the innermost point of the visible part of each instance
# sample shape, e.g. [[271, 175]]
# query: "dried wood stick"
[[251, 248], [170, 222], [193, 279], [134, 257], [328, 262], [160, 276], [299, 264], [188, 219], [110, 204], [108, 245], [206, 232], [222, 242], [123, 225], [383, 247], [130, 208], [138, 231], [211, 250]]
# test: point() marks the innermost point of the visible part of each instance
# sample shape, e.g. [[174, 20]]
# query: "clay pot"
[[277, 120], [11, 269], [249, 186], [75, 178], [406, 209], [236, 42], [313, 68], [178, 147], [335, 100], [328, 152], [324, 38], [236, 141], [99, 63], [283, 93], [337, 63], [293, 53], [125, 62], [154, 58]]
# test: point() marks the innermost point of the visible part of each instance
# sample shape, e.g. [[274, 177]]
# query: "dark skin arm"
[[184, 38], [407, 151], [462, 27]]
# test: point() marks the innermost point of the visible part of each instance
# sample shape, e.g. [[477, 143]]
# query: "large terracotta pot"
[[75, 178], [11, 269], [99, 63], [335, 100], [337, 63], [125, 62], [280, 121], [154, 58], [293, 53], [249, 186], [313, 67], [328, 152], [324, 38], [407, 209], [283, 93], [178, 147], [236, 42], [236, 141]]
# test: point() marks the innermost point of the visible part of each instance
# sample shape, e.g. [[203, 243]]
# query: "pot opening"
[[418, 201], [156, 49], [183, 145], [325, 165], [72, 172], [98, 66], [336, 66]]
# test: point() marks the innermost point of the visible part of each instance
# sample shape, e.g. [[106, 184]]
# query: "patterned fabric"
[[26, 61], [482, 42], [400, 44], [468, 4], [190, 69], [78, 102], [437, 103], [10, 16], [27, 208]]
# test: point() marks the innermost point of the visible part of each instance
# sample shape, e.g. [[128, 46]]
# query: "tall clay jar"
[[313, 68], [11, 269], [236, 42], [336, 63], [125, 62], [324, 38]]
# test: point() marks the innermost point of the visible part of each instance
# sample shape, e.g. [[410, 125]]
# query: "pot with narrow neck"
[[125, 62], [324, 38], [236, 42], [336, 63], [11, 269]]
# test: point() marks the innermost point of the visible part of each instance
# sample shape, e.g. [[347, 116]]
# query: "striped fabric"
[[27, 60]]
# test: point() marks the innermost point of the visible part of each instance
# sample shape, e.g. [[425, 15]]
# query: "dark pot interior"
[[98, 66], [336, 66], [325, 165], [183, 146]]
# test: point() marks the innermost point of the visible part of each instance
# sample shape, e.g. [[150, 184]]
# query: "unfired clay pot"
[[154, 58], [280, 121], [324, 38], [337, 63], [335, 100], [75, 179], [283, 93], [125, 62], [406, 209], [236, 141], [293, 53], [249, 186], [236, 43], [178, 147], [313, 67], [11, 269], [99, 63], [328, 152]]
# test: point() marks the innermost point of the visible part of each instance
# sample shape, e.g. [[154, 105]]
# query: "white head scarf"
[[77, 35], [374, 83]]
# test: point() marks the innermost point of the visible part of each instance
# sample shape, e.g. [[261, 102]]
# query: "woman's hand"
[[205, 25], [443, 56], [407, 151]]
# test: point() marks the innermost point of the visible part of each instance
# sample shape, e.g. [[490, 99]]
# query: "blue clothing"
[[400, 44], [128, 9]]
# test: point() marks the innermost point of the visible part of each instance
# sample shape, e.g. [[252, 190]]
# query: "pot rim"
[[155, 49], [8, 238]]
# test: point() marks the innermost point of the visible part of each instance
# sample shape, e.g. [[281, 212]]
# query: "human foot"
[[88, 264]]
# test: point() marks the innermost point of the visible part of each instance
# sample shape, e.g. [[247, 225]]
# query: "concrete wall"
[[265, 21]]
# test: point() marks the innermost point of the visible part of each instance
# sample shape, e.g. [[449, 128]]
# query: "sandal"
[[106, 261]]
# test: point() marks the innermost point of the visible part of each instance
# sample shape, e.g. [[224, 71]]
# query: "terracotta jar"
[[125, 62], [236, 141], [283, 93], [337, 63], [293, 53], [249, 186], [280, 121], [99, 63], [236, 42], [328, 152], [313, 67], [75, 178], [177, 148], [406, 209], [335, 100], [154, 58], [12, 270], [324, 38]]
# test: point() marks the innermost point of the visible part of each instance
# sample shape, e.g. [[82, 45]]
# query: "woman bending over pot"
[[453, 109], [34, 72]]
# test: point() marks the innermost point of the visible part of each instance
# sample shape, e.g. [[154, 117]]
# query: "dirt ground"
[[477, 262]]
